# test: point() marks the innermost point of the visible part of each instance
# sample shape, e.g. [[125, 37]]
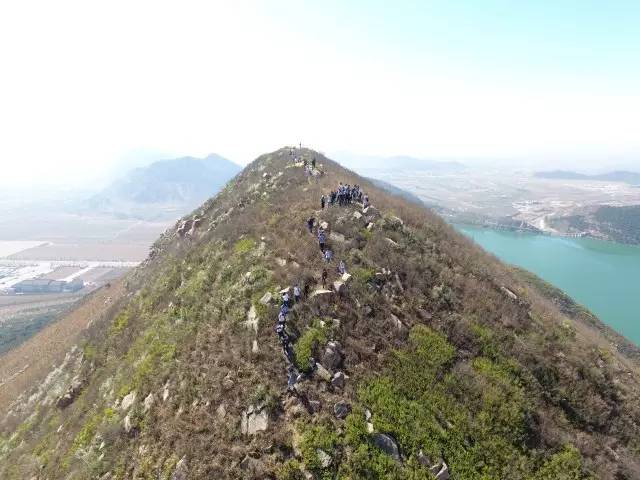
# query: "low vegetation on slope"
[[433, 359]]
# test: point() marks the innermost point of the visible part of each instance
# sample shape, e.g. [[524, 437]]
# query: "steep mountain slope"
[[435, 359], [178, 184]]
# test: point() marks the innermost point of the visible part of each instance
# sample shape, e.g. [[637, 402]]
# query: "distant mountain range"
[[165, 188], [632, 178]]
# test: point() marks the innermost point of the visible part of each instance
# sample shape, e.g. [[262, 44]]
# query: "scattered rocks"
[[128, 401], [357, 215], [338, 380], [281, 261], [148, 402], [324, 458], [255, 419], [341, 410], [387, 444], [332, 356], [182, 470]]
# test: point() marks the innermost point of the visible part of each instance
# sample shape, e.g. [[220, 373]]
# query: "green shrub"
[[313, 337], [244, 245]]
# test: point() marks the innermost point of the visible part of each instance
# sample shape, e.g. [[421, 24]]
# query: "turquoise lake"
[[602, 276]]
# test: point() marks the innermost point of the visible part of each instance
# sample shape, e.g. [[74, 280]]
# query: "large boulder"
[[128, 401], [255, 419], [332, 357], [387, 444], [266, 298]]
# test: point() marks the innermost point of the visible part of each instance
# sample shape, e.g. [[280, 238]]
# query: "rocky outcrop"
[[70, 394], [255, 419], [332, 356]]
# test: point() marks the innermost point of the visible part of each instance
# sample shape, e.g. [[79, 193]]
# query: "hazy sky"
[[87, 85]]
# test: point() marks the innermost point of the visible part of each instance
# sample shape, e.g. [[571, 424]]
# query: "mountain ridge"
[[448, 358]]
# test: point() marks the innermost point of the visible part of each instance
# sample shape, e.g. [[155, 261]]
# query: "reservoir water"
[[602, 276]]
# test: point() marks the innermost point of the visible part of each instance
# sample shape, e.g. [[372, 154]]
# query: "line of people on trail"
[[293, 376], [344, 195]]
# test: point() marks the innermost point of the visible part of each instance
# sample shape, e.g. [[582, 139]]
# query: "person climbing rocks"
[[322, 239], [342, 268], [310, 224], [323, 200], [284, 309], [365, 203], [328, 255], [324, 278], [282, 317], [297, 293], [286, 300]]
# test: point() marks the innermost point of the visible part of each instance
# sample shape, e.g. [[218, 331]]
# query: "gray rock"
[[338, 286], [338, 380], [324, 458], [392, 242], [128, 400], [443, 474], [315, 405], [266, 298], [323, 373], [357, 215], [182, 470], [321, 292], [337, 237], [341, 410], [387, 444], [254, 420], [128, 426], [148, 402], [332, 357]]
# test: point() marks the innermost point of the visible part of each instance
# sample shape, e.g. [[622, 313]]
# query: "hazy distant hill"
[[175, 185], [616, 176]]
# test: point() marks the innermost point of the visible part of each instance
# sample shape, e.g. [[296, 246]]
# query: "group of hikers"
[[344, 195], [285, 340]]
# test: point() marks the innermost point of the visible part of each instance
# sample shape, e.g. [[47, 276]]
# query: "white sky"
[[83, 84]]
